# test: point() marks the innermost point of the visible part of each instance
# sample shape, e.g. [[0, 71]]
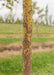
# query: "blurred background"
[[11, 37]]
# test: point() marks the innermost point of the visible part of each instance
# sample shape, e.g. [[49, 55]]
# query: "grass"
[[8, 33], [9, 40], [41, 62], [10, 27], [11, 33], [42, 39], [17, 27], [34, 39], [43, 33]]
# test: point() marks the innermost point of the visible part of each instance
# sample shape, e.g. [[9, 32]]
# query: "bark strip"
[[27, 37]]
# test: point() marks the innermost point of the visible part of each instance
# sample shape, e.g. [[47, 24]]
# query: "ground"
[[16, 48], [11, 36]]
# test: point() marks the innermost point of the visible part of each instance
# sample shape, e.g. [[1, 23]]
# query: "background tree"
[[6, 20], [34, 7], [46, 15], [40, 16], [11, 4], [50, 19], [11, 17], [1, 19], [53, 22], [17, 21]]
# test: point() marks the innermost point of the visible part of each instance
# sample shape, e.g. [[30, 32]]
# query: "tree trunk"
[[27, 37]]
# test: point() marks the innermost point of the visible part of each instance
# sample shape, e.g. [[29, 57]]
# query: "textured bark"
[[27, 29]]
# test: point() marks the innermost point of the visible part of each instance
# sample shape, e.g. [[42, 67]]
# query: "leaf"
[[3, 4], [40, 11], [8, 7], [8, 0]]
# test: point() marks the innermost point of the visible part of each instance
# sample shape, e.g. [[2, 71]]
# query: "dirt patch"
[[45, 35], [19, 36], [10, 35], [16, 48]]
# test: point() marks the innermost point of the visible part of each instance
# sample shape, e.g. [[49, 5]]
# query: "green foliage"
[[38, 11], [9, 4], [1, 19], [8, 0], [8, 7], [18, 21], [34, 7], [3, 4]]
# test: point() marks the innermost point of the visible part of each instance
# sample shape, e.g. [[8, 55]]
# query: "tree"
[[11, 17], [40, 14], [6, 20], [53, 22], [27, 29], [34, 7], [1, 19], [46, 15], [17, 21], [11, 4], [50, 19]]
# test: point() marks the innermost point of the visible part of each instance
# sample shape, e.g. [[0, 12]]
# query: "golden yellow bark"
[[27, 30]]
